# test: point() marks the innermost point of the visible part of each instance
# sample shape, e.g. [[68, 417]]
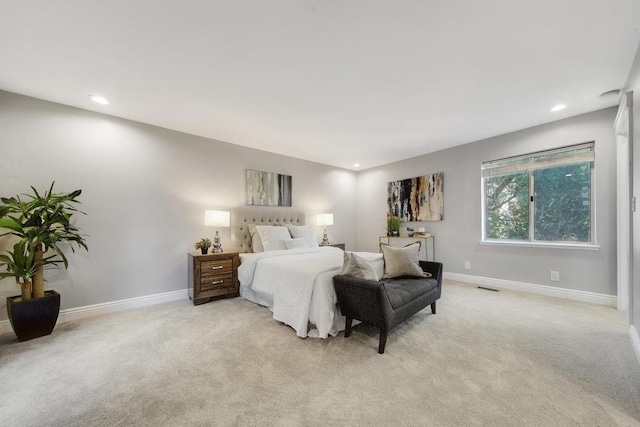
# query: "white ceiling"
[[333, 81]]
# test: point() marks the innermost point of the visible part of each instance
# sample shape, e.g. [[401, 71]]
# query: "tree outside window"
[[541, 197]]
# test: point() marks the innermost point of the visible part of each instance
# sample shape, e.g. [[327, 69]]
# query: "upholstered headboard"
[[241, 218]]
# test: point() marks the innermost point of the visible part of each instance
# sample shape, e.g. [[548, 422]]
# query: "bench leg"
[[433, 308], [347, 327], [383, 340]]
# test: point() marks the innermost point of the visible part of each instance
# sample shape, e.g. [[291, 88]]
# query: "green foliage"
[[562, 203], [393, 224], [38, 221], [508, 206], [202, 243], [19, 262]]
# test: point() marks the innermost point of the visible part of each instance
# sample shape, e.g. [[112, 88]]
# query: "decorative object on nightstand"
[[203, 244], [213, 276], [324, 220], [217, 219]]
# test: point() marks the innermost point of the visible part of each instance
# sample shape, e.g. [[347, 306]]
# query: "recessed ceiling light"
[[559, 107], [99, 99], [356, 165]]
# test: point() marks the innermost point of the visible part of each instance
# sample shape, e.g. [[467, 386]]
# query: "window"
[[543, 197]]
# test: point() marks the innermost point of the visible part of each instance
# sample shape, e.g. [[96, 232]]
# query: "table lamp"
[[324, 220]]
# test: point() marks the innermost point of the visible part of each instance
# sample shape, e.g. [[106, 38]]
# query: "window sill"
[[579, 246]]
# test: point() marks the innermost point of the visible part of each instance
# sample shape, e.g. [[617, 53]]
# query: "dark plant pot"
[[34, 318], [204, 250], [395, 233]]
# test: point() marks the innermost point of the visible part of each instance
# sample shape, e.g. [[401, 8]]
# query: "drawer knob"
[[217, 267], [217, 281]]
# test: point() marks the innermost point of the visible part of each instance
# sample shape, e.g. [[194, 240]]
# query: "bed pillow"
[[356, 266], [256, 241], [304, 231], [296, 243], [401, 261], [273, 237]]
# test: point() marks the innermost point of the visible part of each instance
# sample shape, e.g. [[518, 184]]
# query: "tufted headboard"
[[241, 218]]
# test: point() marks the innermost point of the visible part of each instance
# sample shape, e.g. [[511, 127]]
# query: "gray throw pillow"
[[356, 266], [401, 261]]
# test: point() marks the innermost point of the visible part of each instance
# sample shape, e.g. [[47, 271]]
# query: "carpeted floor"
[[493, 359]]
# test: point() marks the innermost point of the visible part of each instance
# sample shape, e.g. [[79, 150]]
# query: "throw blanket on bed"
[[290, 276]]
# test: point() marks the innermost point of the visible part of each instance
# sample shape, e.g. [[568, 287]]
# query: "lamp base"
[[217, 247], [325, 239]]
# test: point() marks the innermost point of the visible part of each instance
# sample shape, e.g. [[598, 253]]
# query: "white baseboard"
[[551, 291], [635, 341], [76, 313]]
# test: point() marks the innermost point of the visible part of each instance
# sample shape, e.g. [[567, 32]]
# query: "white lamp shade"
[[325, 219], [217, 218]]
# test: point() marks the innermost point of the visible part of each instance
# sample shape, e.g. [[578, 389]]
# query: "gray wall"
[[633, 84], [458, 235], [145, 190]]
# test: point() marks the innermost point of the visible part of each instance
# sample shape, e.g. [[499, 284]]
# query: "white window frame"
[[529, 163]]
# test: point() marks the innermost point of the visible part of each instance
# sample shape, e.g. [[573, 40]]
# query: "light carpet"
[[486, 358]]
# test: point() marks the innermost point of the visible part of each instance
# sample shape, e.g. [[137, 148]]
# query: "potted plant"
[[393, 225], [42, 225], [203, 244]]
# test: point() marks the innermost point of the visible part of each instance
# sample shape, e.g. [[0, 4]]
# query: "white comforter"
[[297, 285]]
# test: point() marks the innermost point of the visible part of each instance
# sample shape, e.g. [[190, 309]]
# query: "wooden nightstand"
[[213, 276], [338, 245]]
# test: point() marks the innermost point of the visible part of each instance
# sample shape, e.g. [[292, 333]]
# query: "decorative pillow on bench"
[[356, 266], [402, 261]]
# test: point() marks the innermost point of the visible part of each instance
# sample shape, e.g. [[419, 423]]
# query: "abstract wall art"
[[268, 189], [417, 199]]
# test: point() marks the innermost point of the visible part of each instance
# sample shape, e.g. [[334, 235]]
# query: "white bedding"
[[297, 286]]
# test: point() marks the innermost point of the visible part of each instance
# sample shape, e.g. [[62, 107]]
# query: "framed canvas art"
[[417, 199], [268, 189]]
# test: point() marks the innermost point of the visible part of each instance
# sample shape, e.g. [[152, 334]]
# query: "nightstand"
[[338, 245], [213, 276]]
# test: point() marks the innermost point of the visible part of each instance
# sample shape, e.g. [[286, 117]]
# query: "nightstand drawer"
[[211, 268], [217, 281]]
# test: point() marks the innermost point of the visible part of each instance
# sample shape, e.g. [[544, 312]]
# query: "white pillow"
[[401, 261], [296, 243], [273, 237], [304, 231], [256, 241], [356, 266]]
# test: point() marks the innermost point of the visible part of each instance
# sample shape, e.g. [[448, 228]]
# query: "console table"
[[427, 244]]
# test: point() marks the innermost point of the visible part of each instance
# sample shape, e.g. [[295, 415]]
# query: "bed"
[[295, 284]]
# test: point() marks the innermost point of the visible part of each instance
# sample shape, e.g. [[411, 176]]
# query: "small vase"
[[204, 250], [395, 233]]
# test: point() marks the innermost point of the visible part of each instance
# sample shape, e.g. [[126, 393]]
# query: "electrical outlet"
[[467, 265], [555, 276]]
